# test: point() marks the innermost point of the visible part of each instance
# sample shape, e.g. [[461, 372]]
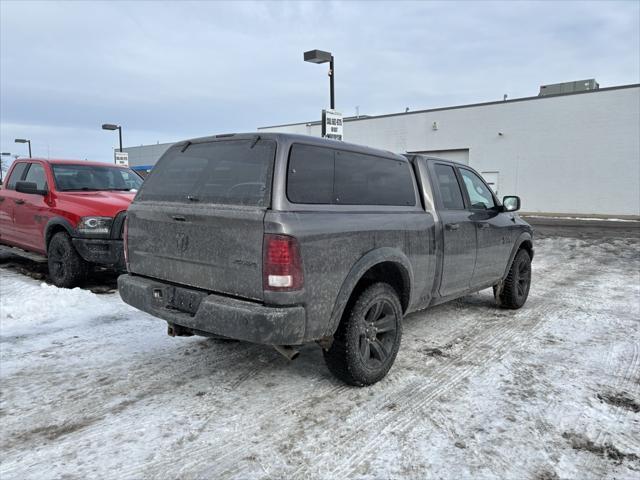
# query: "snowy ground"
[[94, 389]]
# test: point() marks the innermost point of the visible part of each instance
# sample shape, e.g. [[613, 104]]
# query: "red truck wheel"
[[67, 269]]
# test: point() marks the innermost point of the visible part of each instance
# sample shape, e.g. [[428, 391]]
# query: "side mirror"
[[29, 187], [511, 203]]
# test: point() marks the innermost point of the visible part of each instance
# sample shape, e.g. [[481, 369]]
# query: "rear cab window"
[[319, 175], [227, 172]]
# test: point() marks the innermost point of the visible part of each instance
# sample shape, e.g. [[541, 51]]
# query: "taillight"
[[125, 242], [281, 263]]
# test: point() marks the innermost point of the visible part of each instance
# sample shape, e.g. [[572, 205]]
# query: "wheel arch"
[[524, 241], [55, 225], [381, 265]]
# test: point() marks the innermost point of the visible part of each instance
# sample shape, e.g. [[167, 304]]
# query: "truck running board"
[[35, 257]]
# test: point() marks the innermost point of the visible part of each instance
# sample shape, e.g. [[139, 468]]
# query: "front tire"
[[368, 338], [515, 289], [67, 269]]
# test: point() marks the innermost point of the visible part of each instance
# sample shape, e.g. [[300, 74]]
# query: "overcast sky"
[[172, 70]]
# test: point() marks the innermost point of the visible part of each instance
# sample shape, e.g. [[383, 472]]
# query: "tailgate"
[[217, 249]]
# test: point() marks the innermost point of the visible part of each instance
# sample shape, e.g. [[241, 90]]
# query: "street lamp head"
[[21, 140], [317, 56], [6, 154], [109, 126]]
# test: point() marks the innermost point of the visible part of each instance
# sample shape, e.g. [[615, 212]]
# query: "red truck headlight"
[[95, 226]]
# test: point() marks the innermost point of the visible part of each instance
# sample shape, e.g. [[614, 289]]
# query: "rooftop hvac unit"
[[568, 87]]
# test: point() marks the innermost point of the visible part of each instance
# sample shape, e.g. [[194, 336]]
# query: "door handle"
[[19, 201], [452, 226], [483, 225]]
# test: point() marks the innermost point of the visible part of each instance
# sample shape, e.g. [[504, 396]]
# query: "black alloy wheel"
[[378, 334], [368, 338], [67, 269], [515, 289]]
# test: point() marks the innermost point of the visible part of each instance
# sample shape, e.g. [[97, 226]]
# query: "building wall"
[[575, 154], [146, 154]]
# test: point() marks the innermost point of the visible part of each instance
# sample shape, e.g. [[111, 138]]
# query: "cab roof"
[[58, 161], [289, 138]]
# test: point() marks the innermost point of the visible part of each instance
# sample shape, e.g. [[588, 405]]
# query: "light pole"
[[111, 126], [319, 56], [24, 140]]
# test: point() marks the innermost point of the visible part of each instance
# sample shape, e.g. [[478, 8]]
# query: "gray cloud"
[[170, 70]]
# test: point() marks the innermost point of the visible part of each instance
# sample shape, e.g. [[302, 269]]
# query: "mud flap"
[[497, 292]]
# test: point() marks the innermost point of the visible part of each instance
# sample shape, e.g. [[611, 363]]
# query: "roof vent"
[[568, 87]]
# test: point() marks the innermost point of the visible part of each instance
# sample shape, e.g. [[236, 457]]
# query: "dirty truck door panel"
[[458, 232], [31, 211], [493, 229], [8, 197], [6, 215]]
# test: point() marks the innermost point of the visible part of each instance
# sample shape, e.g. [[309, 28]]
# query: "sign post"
[[122, 159], [332, 124]]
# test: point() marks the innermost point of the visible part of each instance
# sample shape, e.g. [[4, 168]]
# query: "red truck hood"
[[104, 203]]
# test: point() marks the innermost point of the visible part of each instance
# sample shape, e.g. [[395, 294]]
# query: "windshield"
[[93, 178], [230, 172]]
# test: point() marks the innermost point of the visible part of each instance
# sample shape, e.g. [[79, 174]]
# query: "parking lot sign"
[[122, 159], [332, 124]]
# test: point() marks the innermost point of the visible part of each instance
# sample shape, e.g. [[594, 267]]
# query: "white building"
[[569, 153]]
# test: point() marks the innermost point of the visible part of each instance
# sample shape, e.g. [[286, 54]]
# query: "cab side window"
[[310, 175], [479, 193], [16, 175], [449, 187], [319, 175], [37, 175]]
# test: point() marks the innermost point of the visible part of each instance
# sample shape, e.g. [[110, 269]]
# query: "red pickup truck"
[[70, 211]]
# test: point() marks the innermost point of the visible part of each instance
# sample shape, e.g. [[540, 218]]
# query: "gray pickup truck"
[[285, 239]]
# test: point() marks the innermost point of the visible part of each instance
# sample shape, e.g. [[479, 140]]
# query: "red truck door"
[[31, 211], [7, 202]]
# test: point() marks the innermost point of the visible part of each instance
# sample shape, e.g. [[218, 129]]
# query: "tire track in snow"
[[418, 396], [495, 338], [492, 337], [589, 286], [93, 404], [246, 377], [624, 380], [203, 453], [502, 341]]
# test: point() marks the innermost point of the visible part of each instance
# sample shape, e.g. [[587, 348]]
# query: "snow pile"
[[592, 219], [27, 308]]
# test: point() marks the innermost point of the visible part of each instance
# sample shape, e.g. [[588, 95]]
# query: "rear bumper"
[[103, 252], [216, 314]]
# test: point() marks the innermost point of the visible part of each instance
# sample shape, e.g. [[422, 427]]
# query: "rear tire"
[[67, 269], [515, 289], [368, 338]]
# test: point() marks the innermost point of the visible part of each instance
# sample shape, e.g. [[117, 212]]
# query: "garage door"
[[457, 155]]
